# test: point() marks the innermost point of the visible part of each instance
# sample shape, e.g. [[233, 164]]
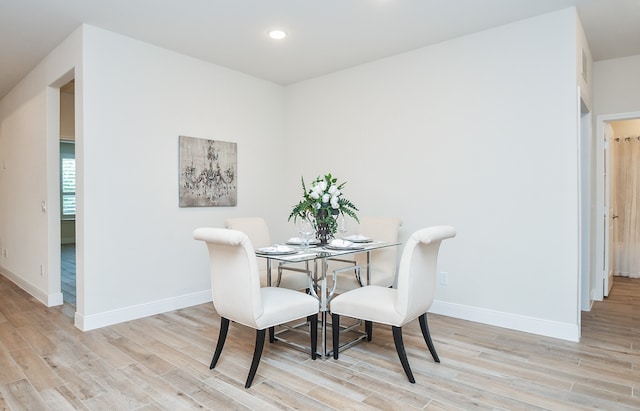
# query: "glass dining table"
[[316, 261]]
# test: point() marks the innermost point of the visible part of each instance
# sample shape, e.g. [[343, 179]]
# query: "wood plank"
[[337, 401], [67, 366], [247, 398], [140, 354], [98, 343], [159, 389], [10, 338], [117, 384], [200, 391], [20, 395], [9, 370], [36, 370], [61, 398], [38, 340]]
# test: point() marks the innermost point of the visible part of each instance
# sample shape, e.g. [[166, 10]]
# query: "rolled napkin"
[[341, 243]]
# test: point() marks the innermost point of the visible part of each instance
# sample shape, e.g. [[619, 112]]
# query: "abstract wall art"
[[208, 173]]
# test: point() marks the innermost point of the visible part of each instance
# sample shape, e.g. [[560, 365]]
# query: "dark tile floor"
[[68, 273]]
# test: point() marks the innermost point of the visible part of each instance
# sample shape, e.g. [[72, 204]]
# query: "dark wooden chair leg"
[[368, 328], [224, 328], [335, 331], [257, 353], [272, 334], [397, 339], [313, 323], [427, 336]]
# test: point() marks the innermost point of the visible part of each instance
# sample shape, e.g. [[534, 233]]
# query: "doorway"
[[67, 194], [624, 260], [606, 229]]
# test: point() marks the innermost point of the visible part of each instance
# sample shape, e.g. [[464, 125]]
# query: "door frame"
[[585, 230], [52, 203], [602, 213]]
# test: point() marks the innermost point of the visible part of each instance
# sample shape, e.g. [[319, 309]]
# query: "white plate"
[[277, 250], [343, 248], [300, 241], [342, 245], [358, 238]]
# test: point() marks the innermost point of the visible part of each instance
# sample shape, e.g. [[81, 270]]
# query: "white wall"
[[616, 85], [137, 251], [584, 68], [478, 132], [29, 152]]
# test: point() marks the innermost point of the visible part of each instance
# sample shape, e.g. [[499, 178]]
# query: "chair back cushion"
[[235, 280], [417, 271]]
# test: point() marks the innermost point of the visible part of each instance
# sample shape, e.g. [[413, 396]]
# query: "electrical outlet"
[[444, 278]]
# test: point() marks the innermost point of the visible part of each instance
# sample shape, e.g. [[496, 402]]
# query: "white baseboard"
[[93, 321], [49, 300], [564, 331], [55, 299]]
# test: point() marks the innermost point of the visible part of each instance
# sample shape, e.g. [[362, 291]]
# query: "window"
[[67, 181]]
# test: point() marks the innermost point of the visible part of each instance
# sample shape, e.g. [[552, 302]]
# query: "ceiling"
[[324, 35]]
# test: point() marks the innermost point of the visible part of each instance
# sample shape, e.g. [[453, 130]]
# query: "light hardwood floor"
[[161, 362], [68, 273]]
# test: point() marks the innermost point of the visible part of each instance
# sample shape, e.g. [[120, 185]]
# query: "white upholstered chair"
[[383, 261], [411, 298], [238, 297], [257, 230]]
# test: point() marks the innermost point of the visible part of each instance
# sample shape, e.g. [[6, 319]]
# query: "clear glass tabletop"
[[315, 252]]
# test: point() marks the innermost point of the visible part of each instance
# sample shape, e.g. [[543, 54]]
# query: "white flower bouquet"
[[321, 203]]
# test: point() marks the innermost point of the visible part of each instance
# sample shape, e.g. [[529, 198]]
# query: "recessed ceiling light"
[[277, 34]]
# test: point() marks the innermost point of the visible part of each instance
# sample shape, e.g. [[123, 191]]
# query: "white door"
[[609, 217]]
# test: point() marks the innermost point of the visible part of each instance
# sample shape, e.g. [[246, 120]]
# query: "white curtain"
[[625, 188]]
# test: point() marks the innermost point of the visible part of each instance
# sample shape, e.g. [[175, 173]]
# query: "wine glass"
[[305, 228], [342, 225]]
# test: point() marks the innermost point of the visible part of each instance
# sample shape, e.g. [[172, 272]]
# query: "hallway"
[[68, 273]]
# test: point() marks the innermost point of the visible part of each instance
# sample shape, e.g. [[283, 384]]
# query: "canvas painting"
[[208, 173]]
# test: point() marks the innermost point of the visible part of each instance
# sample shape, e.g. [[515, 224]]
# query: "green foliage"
[[322, 202]]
